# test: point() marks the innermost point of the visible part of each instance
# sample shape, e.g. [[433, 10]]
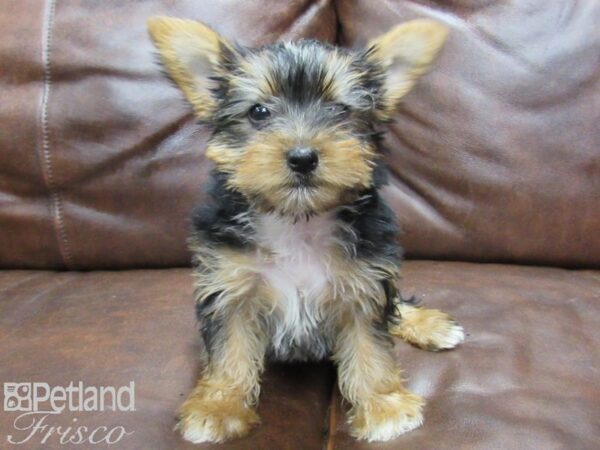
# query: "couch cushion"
[[101, 160], [526, 376], [110, 328], [496, 153]]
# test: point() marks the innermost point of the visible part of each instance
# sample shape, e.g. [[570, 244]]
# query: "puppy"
[[296, 256]]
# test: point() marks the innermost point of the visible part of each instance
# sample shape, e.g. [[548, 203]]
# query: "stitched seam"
[[56, 201]]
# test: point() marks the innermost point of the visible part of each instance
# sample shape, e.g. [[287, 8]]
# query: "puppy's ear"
[[195, 57], [405, 53]]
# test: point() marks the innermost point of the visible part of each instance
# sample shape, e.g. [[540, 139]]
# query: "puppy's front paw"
[[208, 420], [386, 416], [429, 329]]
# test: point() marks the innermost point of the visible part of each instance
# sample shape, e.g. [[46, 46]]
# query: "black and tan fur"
[[299, 265]]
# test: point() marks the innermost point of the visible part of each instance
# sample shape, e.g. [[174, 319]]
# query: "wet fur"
[[299, 267]]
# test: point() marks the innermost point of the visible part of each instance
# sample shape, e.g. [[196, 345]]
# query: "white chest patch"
[[297, 270]]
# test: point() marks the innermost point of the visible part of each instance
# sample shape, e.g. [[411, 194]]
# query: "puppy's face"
[[293, 123]]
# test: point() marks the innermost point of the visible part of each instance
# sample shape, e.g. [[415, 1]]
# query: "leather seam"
[[49, 174]]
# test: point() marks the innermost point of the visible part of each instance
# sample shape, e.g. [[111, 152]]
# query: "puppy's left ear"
[[405, 53], [195, 57]]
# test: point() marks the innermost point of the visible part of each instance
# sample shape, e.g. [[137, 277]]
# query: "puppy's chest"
[[297, 256], [296, 264]]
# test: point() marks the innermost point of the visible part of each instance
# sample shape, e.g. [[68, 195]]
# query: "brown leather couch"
[[496, 181]]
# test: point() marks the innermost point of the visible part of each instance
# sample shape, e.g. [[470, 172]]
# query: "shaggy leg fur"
[[215, 411], [221, 406], [429, 329], [381, 408]]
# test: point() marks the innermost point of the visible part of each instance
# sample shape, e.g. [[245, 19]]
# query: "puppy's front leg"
[[381, 408], [221, 406]]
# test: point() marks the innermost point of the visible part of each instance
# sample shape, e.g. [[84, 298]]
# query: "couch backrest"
[[495, 155], [100, 159], [497, 151]]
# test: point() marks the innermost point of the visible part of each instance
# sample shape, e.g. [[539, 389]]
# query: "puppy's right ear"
[[194, 56]]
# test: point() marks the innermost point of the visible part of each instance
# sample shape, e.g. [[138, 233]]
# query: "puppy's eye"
[[339, 110], [259, 113]]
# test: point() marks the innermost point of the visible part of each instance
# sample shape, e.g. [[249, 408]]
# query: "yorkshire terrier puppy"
[[296, 256]]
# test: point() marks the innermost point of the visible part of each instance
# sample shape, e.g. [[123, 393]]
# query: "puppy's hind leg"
[[429, 329]]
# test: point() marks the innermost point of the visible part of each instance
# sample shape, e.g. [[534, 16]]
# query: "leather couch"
[[496, 182]]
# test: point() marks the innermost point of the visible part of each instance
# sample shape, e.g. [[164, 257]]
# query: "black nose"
[[302, 160]]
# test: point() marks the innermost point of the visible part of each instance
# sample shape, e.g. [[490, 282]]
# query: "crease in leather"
[[329, 441], [299, 14], [305, 15], [6, 288]]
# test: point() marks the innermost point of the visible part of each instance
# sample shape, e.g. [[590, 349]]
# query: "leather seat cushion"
[[526, 377], [110, 328]]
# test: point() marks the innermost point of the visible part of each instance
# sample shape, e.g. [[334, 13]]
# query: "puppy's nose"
[[302, 160]]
